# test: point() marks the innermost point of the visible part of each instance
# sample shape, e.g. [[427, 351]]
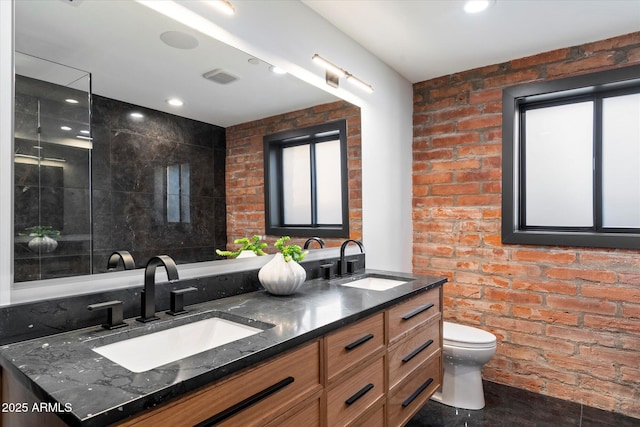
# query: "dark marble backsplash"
[[32, 320]]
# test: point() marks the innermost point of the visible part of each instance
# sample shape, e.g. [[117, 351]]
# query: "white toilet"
[[465, 350]]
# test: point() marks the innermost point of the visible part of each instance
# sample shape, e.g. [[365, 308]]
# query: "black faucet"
[[312, 239], [148, 295], [127, 261], [343, 264]]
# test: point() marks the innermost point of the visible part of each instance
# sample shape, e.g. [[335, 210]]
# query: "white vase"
[[44, 244], [280, 277], [246, 254]]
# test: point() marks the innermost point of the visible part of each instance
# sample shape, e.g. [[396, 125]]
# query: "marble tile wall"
[[129, 169]]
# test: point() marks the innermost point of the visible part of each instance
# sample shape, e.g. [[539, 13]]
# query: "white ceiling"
[[119, 43], [423, 39]]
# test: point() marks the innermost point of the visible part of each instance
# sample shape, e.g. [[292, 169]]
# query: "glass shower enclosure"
[[52, 169]]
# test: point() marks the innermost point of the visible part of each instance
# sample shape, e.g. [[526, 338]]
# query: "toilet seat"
[[463, 336]]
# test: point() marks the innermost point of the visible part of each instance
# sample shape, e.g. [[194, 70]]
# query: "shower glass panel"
[[52, 219]]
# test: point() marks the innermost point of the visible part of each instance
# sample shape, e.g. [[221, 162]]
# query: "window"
[[571, 161], [172, 196], [306, 190]]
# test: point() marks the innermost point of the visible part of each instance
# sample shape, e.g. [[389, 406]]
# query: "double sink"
[[214, 329]]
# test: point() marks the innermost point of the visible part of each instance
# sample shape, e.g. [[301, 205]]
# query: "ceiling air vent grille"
[[220, 76]]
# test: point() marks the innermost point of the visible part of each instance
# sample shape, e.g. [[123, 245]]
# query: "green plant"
[[290, 252], [252, 244], [41, 231]]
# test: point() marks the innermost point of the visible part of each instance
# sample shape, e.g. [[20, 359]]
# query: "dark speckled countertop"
[[64, 369]]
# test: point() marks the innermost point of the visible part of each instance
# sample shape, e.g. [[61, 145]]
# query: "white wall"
[[285, 33]]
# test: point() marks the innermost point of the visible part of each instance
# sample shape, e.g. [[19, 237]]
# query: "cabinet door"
[[408, 354], [352, 344], [251, 398], [305, 414], [410, 314], [350, 398], [409, 396]]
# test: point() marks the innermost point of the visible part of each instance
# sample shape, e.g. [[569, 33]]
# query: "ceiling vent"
[[220, 76]]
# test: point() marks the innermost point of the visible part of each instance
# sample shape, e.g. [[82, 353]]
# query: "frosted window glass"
[[621, 161], [185, 193], [329, 186], [173, 193], [296, 185], [559, 166]]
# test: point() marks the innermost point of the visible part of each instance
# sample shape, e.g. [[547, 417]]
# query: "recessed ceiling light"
[[65, 128], [88, 138], [277, 70], [253, 61], [174, 102], [71, 101], [136, 115], [179, 40], [475, 6]]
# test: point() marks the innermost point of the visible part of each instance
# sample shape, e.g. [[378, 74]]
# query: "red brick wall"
[[567, 319], [245, 169]]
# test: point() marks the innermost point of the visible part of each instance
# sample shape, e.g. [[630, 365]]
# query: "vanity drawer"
[[410, 314], [409, 396], [351, 344], [410, 353], [350, 398], [306, 414], [250, 398]]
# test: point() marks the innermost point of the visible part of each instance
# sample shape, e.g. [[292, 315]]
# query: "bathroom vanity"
[[332, 354]]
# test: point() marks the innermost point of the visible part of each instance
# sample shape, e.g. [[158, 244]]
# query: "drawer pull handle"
[[244, 404], [364, 390], [416, 393], [415, 352], [356, 343], [417, 311]]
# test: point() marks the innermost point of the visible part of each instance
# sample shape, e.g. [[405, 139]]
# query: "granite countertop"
[[94, 391]]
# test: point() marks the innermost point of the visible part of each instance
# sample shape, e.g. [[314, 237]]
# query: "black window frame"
[[274, 203], [516, 100]]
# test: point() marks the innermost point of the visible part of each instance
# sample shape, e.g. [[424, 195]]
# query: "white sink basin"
[[375, 283], [159, 348]]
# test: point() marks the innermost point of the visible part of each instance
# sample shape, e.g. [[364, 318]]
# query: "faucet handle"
[[326, 271], [352, 266], [177, 301], [114, 313]]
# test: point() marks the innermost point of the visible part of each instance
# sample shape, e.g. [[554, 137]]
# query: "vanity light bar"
[[362, 85], [334, 72]]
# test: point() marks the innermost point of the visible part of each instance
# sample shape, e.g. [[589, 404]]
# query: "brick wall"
[[567, 319], [245, 169]]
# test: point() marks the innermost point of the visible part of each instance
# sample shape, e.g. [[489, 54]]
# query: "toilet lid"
[[466, 336]]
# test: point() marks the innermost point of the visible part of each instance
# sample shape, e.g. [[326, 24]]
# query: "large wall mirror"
[[122, 167]]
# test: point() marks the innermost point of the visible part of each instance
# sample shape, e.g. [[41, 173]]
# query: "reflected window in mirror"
[[306, 188], [571, 161]]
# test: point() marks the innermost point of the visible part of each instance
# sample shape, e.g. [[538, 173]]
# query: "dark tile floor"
[[511, 407]]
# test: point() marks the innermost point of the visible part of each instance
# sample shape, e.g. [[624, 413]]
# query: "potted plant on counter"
[[44, 238], [283, 275], [250, 247]]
